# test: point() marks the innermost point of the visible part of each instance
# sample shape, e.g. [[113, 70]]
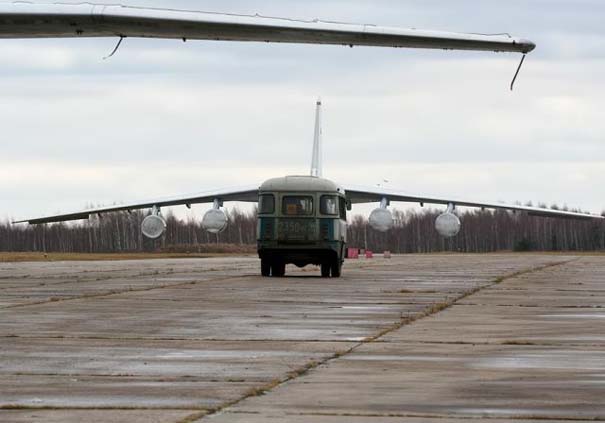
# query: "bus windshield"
[[297, 206]]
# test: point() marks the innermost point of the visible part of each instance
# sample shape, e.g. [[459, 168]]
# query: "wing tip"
[[527, 46]]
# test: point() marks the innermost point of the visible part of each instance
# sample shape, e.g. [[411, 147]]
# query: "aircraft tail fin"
[[316, 159]]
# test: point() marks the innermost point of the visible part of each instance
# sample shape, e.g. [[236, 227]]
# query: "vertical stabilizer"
[[316, 160]]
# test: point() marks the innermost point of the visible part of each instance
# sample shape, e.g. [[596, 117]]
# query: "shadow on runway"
[[288, 277]]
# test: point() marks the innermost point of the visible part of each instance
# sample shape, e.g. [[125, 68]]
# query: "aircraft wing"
[[249, 195], [26, 20], [357, 195]]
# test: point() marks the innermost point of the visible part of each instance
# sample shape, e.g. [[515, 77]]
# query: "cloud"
[[162, 117]]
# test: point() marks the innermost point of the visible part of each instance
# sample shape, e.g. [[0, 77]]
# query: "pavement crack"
[[176, 339], [555, 307], [453, 417], [7, 407], [513, 342]]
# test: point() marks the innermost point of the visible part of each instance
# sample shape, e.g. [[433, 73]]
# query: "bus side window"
[[343, 208], [267, 204]]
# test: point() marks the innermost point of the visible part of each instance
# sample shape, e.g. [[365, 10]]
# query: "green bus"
[[302, 220]]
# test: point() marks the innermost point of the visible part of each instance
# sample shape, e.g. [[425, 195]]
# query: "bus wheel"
[[279, 269], [265, 267], [336, 268], [325, 270]]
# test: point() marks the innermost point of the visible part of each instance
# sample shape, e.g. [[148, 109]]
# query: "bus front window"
[[329, 205], [297, 206]]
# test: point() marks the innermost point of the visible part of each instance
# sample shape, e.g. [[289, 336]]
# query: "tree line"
[[482, 231]]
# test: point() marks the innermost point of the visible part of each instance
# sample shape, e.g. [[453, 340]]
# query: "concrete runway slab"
[[415, 338]]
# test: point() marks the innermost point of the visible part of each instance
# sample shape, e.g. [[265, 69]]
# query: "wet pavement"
[[414, 338]]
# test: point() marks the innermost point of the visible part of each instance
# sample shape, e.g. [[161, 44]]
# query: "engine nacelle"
[[215, 221], [448, 225], [153, 227], [381, 220]]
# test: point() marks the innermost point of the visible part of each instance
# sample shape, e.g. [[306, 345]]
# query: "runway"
[[410, 339]]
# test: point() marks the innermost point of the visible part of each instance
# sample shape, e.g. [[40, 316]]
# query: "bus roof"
[[301, 184]]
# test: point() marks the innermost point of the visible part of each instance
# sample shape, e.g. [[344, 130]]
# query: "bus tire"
[[325, 270], [265, 268], [336, 269], [279, 269]]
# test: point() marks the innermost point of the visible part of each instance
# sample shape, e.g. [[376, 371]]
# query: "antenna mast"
[[316, 160]]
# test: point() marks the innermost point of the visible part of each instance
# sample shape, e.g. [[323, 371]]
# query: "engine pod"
[[381, 220], [448, 225], [214, 221], [153, 227]]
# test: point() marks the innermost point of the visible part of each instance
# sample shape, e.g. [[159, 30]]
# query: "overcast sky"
[[163, 118]]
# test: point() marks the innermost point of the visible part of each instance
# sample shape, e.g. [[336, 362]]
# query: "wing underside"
[[355, 195], [247, 195], [358, 195], [26, 20]]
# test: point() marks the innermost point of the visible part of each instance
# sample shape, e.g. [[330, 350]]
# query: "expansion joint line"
[[111, 293]]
